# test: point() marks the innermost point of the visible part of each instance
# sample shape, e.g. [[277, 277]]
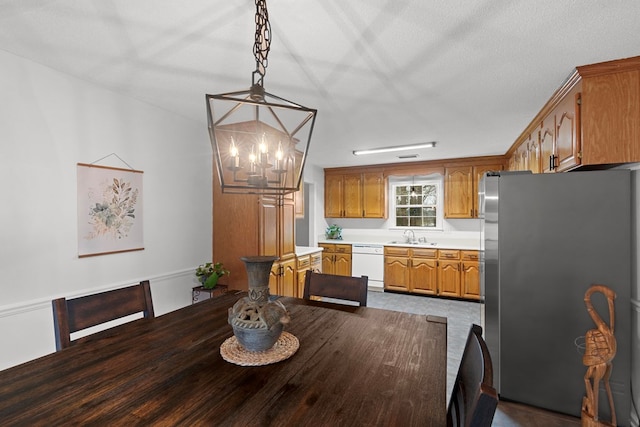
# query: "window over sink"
[[417, 202]]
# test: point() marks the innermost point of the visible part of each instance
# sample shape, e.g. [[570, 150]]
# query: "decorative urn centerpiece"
[[257, 322]]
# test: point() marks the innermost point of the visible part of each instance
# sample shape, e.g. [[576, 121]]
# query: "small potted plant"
[[209, 273], [333, 232]]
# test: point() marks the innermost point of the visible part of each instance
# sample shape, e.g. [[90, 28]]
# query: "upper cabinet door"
[[333, 196], [287, 227], [568, 131], [533, 151], [374, 195], [458, 193], [277, 227], [353, 196], [560, 134], [269, 228], [546, 145]]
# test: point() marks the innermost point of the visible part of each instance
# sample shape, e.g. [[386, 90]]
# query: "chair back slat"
[[473, 399], [73, 315], [334, 286]]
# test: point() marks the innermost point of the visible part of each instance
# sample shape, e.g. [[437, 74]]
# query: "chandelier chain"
[[262, 41]]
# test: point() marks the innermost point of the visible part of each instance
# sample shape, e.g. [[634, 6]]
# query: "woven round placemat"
[[284, 348]]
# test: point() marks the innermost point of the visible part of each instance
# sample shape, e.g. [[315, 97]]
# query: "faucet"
[[409, 235]]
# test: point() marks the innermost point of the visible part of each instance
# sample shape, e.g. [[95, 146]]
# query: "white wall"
[[315, 176], [50, 121]]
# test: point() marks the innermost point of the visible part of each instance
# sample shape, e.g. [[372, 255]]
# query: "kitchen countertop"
[[306, 250], [439, 242]]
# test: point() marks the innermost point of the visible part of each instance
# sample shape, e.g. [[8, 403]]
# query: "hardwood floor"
[[460, 315]]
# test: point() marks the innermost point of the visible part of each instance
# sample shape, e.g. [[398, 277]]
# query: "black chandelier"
[[260, 141]]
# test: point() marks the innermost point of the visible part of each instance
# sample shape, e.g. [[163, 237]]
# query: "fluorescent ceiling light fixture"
[[431, 144]]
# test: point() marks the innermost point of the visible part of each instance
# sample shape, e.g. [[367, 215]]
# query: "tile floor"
[[460, 315]]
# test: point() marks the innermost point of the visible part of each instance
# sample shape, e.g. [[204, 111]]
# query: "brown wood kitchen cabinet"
[[528, 153], [277, 237], [534, 157], [461, 189], [277, 227], [444, 272], [396, 268], [459, 273], [411, 270], [249, 225], [423, 271], [520, 161], [333, 196], [342, 196], [374, 195], [355, 195], [282, 278], [336, 259], [593, 119], [458, 192], [311, 262], [470, 275], [449, 272], [560, 132]]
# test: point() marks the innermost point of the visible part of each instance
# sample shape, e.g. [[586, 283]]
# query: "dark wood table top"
[[355, 366]]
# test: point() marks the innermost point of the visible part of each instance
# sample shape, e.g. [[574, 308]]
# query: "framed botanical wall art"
[[109, 210]]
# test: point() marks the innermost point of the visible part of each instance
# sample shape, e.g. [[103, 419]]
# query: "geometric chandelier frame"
[[260, 141]]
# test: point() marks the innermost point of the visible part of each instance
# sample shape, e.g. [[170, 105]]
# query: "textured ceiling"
[[470, 75]]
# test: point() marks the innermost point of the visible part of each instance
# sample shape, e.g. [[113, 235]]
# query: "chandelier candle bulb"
[[235, 156], [278, 160], [264, 152]]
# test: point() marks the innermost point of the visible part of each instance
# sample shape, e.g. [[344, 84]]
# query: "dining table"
[[353, 366]]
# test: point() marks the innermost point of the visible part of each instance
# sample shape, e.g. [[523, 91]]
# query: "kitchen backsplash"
[[366, 231]]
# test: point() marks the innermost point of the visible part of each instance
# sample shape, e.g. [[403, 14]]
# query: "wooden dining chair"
[[473, 399], [334, 286], [73, 315]]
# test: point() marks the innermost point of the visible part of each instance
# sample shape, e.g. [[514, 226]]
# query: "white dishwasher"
[[368, 260]]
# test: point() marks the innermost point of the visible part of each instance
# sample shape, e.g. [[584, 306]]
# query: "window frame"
[[437, 180]]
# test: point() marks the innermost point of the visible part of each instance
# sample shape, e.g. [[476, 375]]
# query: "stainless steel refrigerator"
[[546, 238]]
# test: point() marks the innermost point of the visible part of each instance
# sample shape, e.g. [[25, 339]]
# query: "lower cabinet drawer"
[[425, 253], [396, 251], [448, 254], [470, 255], [304, 262]]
